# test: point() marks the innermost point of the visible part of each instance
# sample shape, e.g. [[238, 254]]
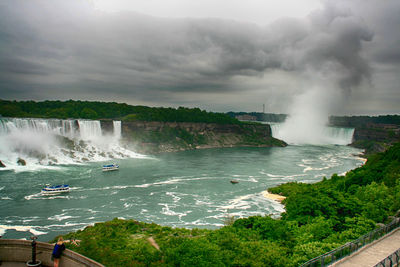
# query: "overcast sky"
[[342, 56]]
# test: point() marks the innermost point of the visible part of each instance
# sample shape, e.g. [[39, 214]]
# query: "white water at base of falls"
[[45, 143], [323, 135]]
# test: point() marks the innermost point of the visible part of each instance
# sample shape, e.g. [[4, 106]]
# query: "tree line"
[[362, 121], [108, 110]]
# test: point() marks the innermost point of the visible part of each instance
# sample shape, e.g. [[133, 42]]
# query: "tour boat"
[[55, 189], [111, 167]]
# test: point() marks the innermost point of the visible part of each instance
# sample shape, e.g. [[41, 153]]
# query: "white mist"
[[308, 119], [42, 142]]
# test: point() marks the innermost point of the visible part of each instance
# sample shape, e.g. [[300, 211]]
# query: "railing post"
[[34, 262]]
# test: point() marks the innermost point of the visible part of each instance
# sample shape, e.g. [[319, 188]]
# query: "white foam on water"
[[55, 196], [238, 203], [128, 205], [166, 210], [202, 202], [174, 196], [86, 210], [282, 177], [21, 228], [61, 217], [65, 225], [173, 181], [202, 223], [309, 168], [43, 143]]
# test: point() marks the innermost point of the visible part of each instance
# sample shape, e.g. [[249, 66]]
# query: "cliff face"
[[154, 137], [376, 137]]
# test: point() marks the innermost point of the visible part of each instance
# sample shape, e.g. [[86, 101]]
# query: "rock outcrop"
[[107, 126], [21, 162], [375, 137]]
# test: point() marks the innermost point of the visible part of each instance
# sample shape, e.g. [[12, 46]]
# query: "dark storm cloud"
[[65, 44], [337, 38], [384, 20]]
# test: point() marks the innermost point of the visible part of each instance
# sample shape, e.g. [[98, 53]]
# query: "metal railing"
[[390, 261], [350, 247]]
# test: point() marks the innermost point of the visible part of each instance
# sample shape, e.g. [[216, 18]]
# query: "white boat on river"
[[111, 167], [55, 189]]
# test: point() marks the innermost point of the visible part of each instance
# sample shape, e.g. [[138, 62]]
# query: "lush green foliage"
[[108, 110], [319, 217]]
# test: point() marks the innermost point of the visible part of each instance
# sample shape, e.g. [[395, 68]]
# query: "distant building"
[[246, 117]]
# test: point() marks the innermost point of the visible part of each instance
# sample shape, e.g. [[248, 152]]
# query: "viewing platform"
[[374, 253], [15, 252]]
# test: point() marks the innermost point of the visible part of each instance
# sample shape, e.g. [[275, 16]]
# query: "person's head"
[[60, 240]]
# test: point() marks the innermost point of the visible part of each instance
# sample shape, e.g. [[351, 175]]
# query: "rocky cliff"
[[155, 137], [376, 137]]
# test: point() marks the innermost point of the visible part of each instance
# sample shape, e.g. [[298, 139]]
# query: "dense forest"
[[108, 110], [319, 217]]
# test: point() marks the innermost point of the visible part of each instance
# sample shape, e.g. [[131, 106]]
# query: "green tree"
[[88, 113]]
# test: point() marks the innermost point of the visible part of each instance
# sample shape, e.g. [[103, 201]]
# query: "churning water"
[[185, 189]]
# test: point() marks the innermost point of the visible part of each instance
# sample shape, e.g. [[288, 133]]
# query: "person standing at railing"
[[59, 247]]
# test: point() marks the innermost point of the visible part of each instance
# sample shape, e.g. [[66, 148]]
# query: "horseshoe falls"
[[48, 142], [321, 135]]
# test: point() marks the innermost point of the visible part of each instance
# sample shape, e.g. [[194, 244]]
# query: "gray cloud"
[[47, 47]]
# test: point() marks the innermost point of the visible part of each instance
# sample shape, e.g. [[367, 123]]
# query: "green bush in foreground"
[[319, 217]]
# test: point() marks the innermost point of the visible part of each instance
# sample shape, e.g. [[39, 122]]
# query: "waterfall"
[[318, 136], [117, 129], [339, 135], [89, 129], [46, 142]]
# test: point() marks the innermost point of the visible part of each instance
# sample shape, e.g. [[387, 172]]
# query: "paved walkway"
[[373, 253]]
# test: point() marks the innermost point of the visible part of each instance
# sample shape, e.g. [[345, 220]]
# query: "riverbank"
[[272, 196]]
